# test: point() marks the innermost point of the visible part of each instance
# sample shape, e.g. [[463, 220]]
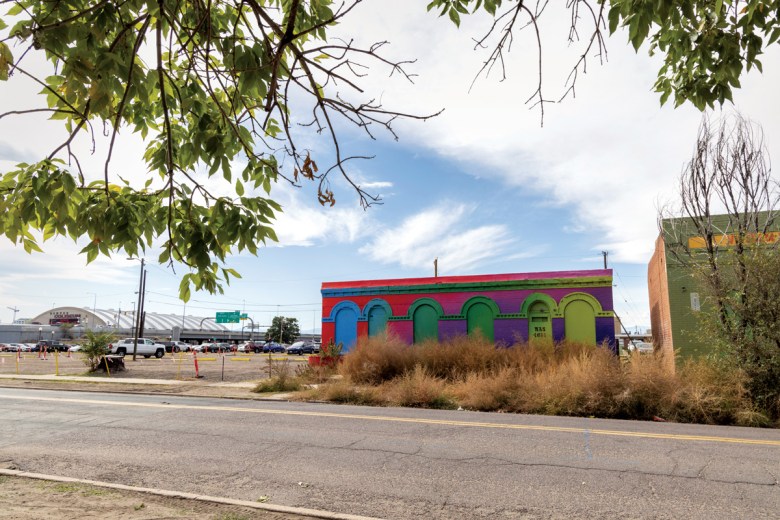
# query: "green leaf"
[[454, 16], [184, 288]]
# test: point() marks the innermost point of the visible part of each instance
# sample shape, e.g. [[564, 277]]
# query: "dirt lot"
[[212, 367], [28, 499]]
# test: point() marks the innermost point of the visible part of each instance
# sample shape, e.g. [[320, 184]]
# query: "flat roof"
[[478, 278]]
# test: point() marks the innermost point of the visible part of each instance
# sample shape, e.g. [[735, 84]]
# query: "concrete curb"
[[270, 399], [328, 515]]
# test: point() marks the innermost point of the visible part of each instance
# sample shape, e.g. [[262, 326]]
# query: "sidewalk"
[[124, 380]]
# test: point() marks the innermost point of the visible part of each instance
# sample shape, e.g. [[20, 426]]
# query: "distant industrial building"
[[504, 308], [71, 322]]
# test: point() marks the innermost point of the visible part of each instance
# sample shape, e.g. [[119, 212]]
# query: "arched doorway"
[[346, 327], [580, 321], [539, 322], [377, 320], [479, 319], [426, 323]]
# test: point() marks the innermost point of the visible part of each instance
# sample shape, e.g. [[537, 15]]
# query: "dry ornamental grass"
[[556, 379]]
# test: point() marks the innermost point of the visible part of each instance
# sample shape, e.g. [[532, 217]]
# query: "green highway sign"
[[228, 317]]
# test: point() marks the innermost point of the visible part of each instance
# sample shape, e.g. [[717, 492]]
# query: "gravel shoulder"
[[31, 499]]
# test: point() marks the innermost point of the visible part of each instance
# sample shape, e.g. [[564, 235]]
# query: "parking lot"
[[231, 367]]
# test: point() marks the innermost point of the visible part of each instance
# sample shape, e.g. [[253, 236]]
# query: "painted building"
[[676, 298], [505, 308]]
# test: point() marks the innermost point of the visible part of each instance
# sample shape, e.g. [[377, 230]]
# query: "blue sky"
[[483, 187]]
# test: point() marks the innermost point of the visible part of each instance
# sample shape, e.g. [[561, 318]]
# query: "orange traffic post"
[[195, 359]]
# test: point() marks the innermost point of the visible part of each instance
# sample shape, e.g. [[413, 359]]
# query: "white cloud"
[[376, 185], [303, 224], [609, 155], [441, 232]]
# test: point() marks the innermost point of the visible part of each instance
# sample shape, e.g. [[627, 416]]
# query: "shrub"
[[95, 347], [280, 378], [342, 391], [418, 388], [568, 378], [377, 359], [277, 384]]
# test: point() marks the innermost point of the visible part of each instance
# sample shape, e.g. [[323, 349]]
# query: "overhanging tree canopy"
[[215, 89]]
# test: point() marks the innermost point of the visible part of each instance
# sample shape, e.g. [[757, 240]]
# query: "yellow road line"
[[438, 422]]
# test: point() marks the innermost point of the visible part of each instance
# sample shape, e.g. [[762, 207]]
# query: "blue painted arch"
[[376, 312], [345, 315]]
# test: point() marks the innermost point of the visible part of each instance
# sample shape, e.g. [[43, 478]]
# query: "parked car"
[[213, 347], [251, 346], [272, 347], [51, 346], [302, 347], [4, 347], [176, 346], [146, 347], [203, 347], [644, 348], [74, 348]]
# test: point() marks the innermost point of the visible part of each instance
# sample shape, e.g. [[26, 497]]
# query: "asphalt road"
[[396, 463]]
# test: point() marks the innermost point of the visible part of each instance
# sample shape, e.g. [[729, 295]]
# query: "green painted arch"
[[538, 297], [579, 317], [480, 313], [480, 299], [425, 301], [566, 300]]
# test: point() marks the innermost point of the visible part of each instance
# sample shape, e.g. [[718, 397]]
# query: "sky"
[[483, 187]]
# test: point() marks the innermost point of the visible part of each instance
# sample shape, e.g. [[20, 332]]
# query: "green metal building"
[[676, 297]]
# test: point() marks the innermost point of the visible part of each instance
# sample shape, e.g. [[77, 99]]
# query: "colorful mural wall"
[[505, 308]]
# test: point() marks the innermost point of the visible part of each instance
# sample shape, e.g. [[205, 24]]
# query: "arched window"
[[480, 314], [425, 314]]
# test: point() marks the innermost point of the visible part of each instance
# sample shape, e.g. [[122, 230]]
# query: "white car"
[[74, 348], [641, 346], [146, 347]]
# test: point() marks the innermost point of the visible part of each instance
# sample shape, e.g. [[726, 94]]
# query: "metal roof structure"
[[115, 319]]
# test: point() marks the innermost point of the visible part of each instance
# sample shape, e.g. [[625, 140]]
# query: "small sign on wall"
[[695, 304]]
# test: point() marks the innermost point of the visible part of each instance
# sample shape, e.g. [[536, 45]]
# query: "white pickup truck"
[[146, 347]]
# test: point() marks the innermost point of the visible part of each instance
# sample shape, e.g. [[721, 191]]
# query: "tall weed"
[[568, 378]]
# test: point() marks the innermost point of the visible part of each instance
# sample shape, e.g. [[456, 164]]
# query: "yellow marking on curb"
[[206, 359], [412, 420], [239, 359]]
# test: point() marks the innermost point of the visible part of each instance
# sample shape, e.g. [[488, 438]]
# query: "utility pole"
[[605, 254], [138, 310], [15, 311], [436, 267]]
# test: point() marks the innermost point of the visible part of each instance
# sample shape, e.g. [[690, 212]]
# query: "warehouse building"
[[505, 308]]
